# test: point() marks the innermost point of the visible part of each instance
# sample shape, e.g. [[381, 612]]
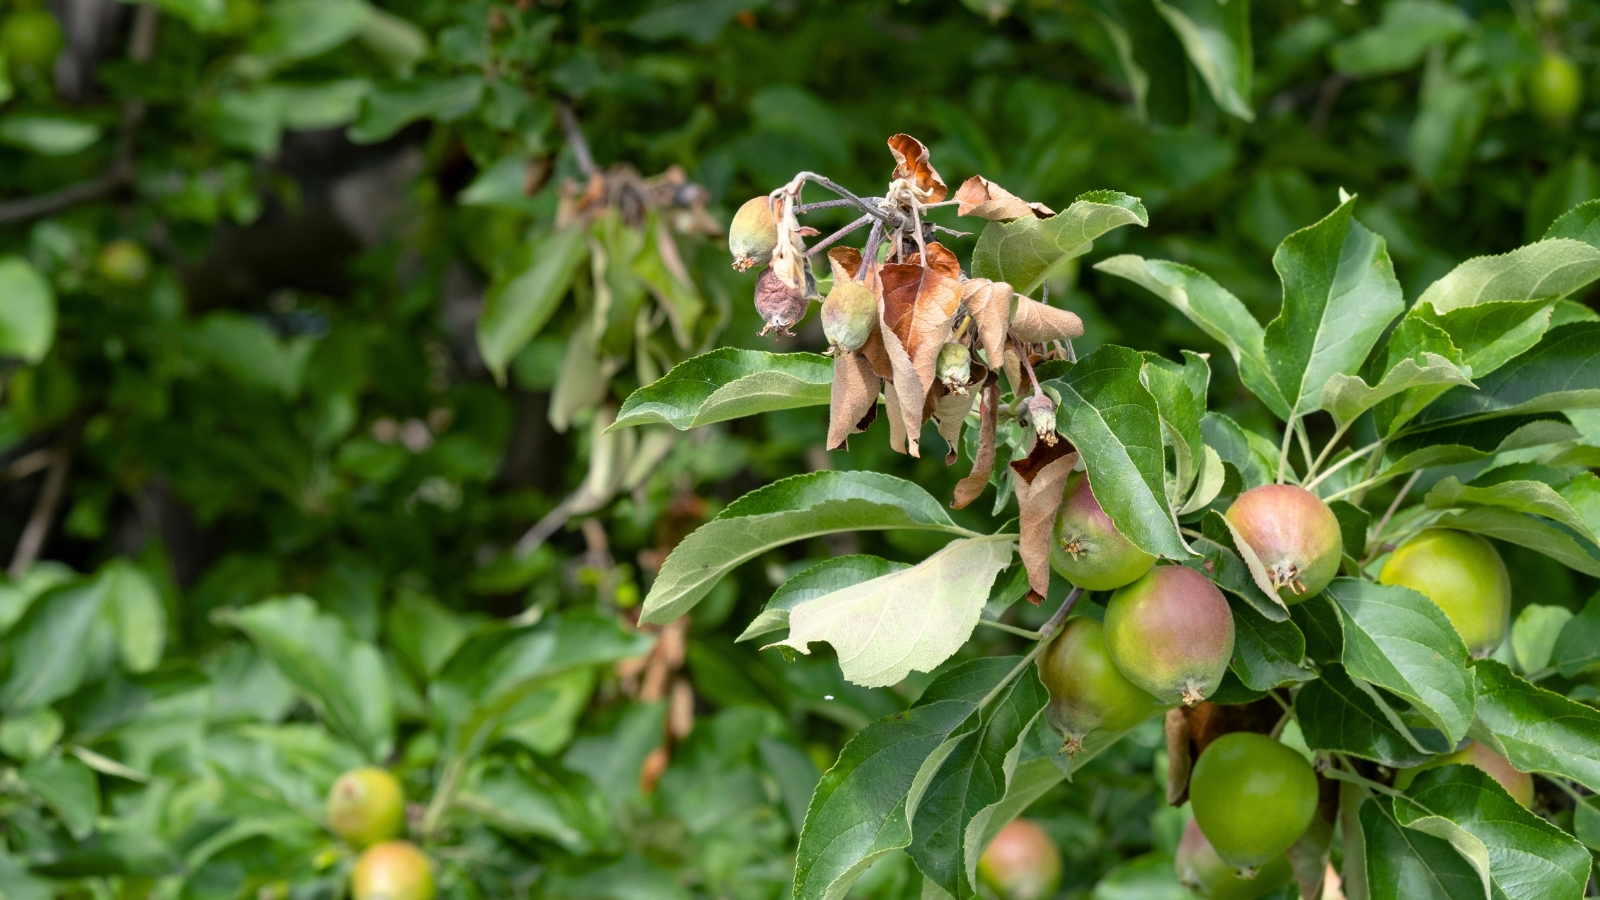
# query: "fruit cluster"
[[366, 808]]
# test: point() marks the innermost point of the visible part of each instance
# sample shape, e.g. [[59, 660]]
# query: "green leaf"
[[1339, 294], [1403, 864], [300, 29], [515, 310], [1578, 646], [1399, 640], [1216, 36], [1335, 714], [905, 621], [387, 110], [532, 802], [795, 773], [249, 352], [793, 509], [1406, 31], [1537, 273], [29, 736], [1112, 419], [1450, 116], [729, 383], [1419, 355], [68, 788], [1023, 252], [861, 809], [1255, 457], [819, 580], [1353, 524], [1464, 442], [1491, 334], [1526, 531], [973, 771], [1580, 223], [28, 316], [48, 135], [137, 611], [1534, 634], [1561, 372], [1180, 395], [1533, 497], [40, 673], [1214, 310], [345, 678], [1266, 653], [1538, 730], [1525, 857]]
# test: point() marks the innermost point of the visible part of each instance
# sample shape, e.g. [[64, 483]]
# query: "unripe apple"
[[1202, 871], [1088, 550], [1253, 798], [1021, 863], [1087, 691], [123, 262], [394, 870], [849, 313], [1295, 535], [1518, 784], [366, 806], [30, 40], [1556, 89], [1464, 575], [1171, 633], [953, 366], [754, 234]]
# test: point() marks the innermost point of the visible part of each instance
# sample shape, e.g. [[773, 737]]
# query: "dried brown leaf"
[[1179, 758], [918, 307], [1038, 323], [855, 397], [844, 261], [978, 196], [911, 164], [989, 303], [950, 411], [1041, 480], [969, 488], [1013, 369], [897, 423]]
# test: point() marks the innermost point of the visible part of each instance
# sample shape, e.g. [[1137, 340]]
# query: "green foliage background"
[[292, 488]]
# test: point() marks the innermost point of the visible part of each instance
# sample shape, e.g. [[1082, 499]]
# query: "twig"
[[575, 139], [1357, 487], [1283, 453], [868, 208], [29, 463], [1012, 629], [1395, 506], [834, 238], [541, 531], [1061, 614], [950, 231], [1342, 463], [44, 509], [1028, 366], [803, 208], [869, 253], [1328, 448], [1326, 95]]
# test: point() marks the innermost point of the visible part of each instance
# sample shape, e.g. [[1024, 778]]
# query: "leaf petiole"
[[1340, 464], [1011, 629]]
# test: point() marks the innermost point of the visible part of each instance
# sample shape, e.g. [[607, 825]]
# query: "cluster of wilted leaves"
[[935, 341]]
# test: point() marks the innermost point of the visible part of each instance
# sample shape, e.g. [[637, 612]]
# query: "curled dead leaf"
[[897, 422], [969, 488], [1041, 479], [854, 400], [918, 308], [1038, 323], [951, 409], [911, 164], [978, 196], [989, 304], [1179, 760], [1012, 366]]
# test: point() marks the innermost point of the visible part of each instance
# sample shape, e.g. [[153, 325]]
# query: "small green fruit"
[[1294, 533], [30, 40], [395, 870], [1021, 863], [1556, 89], [1171, 633], [366, 806], [1087, 691], [849, 313], [753, 235], [123, 262], [1088, 550], [1253, 797], [1202, 871], [953, 366], [1464, 575], [1518, 784]]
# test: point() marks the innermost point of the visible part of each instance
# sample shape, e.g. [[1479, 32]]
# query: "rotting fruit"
[[1253, 798], [1087, 691], [1171, 633], [1202, 871], [849, 313], [1088, 550], [393, 870], [366, 806], [754, 234], [1518, 784], [1464, 575], [1295, 535], [1021, 863], [1556, 89]]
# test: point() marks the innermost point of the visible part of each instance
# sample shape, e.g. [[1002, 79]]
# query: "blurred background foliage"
[[313, 312]]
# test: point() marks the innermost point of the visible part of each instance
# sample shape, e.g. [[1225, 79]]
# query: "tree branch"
[[575, 139], [44, 510]]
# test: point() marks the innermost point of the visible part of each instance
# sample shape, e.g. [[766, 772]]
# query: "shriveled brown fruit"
[[978, 196], [911, 164], [780, 305], [753, 234]]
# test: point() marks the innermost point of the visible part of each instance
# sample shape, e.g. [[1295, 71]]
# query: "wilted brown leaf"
[[919, 304], [855, 396], [1012, 366], [897, 422], [1041, 479], [950, 410], [1037, 323], [844, 261], [969, 488], [1179, 760], [989, 303], [978, 196], [911, 163]]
